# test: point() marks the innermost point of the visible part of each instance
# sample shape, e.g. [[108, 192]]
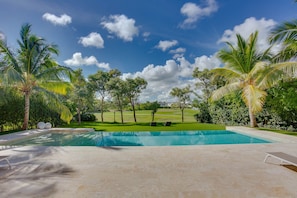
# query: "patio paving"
[[177, 171]]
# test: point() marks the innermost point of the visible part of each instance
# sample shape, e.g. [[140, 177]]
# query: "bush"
[[86, 117]]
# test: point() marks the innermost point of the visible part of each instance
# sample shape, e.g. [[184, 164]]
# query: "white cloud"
[[93, 39], [146, 35], [63, 20], [121, 26], [250, 25], [164, 45], [78, 60], [178, 53], [194, 12], [175, 73]]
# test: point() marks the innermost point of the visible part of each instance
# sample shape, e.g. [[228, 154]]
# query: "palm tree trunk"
[[27, 111], [253, 121]]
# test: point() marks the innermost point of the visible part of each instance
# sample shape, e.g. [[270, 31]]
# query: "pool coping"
[[22, 135], [266, 135]]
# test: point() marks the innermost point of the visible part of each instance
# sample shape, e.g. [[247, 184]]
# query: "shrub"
[[86, 117]]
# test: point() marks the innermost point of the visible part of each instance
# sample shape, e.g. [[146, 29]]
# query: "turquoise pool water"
[[176, 138]]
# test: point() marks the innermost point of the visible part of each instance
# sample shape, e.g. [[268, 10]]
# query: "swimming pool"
[[162, 138]]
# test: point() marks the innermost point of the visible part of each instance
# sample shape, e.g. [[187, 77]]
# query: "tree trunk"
[[78, 115], [121, 109], [27, 111], [102, 109], [153, 116], [182, 110], [122, 117], [133, 108], [253, 121]]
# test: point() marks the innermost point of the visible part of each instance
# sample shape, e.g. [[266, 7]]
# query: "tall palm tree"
[[251, 72], [32, 68], [242, 70]]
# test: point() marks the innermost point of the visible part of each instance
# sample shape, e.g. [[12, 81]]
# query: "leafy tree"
[[118, 90], [183, 96], [206, 85], [98, 82], [282, 100], [154, 107], [32, 68], [81, 95], [134, 88]]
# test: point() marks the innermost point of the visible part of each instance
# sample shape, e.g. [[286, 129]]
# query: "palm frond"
[[253, 97], [53, 102], [276, 72], [58, 87], [285, 31], [225, 90], [230, 74]]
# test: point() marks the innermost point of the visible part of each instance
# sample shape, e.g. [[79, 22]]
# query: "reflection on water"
[[105, 139]]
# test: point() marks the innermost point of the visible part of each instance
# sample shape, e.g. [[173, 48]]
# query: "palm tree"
[[32, 68], [242, 70], [251, 72]]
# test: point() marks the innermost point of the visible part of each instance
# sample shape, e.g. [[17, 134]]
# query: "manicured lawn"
[[144, 118], [162, 115], [98, 126], [280, 131]]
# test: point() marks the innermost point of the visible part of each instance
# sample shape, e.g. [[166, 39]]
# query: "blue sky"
[[159, 40]]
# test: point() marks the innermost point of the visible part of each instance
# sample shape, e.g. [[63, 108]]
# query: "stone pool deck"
[[177, 171]]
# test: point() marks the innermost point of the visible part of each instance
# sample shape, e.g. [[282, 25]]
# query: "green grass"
[[144, 118], [280, 131], [162, 115], [98, 126]]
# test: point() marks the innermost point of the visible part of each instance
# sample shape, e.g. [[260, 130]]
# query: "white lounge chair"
[[283, 157], [5, 158]]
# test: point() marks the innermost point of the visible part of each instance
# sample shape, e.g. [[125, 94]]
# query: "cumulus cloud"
[[178, 53], [93, 39], [250, 25], [194, 12], [63, 20], [164, 45], [78, 60], [120, 25], [174, 73]]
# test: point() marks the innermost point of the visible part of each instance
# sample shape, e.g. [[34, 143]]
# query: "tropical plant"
[[32, 68], [285, 34], [242, 71], [251, 72]]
